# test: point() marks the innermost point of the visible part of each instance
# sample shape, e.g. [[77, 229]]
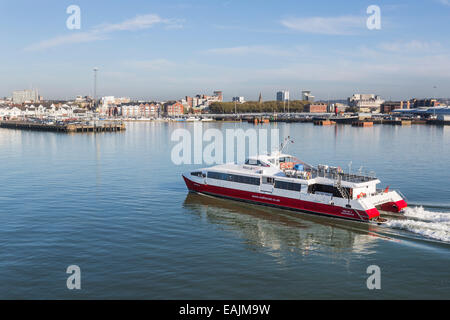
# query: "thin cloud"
[[100, 32], [445, 2], [136, 23], [344, 25], [246, 50], [413, 45], [155, 64], [69, 39]]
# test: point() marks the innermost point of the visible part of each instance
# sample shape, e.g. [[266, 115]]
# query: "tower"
[[95, 86]]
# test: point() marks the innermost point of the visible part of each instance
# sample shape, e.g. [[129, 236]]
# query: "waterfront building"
[[316, 108], [201, 101], [189, 102], [366, 102], [283, 96], [155, 110], [174, 108], [186, 105], [129, 111], [307, 96], [122, 100], [83, 101], [148, 110], [25, 96], [218, 95], [424, 103], [388, 106], [59, 111]]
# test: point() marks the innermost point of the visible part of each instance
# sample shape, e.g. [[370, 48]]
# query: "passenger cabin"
[[285, 172]]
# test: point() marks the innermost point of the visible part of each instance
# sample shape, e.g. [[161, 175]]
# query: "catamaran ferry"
[[285, 182]]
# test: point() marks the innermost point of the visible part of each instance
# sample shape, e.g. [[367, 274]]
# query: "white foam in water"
[[434, 225]]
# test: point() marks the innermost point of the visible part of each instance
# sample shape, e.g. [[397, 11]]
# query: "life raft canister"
[[287, 165]]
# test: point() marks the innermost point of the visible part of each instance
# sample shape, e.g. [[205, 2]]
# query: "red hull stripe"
[[283, 202]]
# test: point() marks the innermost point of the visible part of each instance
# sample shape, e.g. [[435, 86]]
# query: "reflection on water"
[[278, 230]]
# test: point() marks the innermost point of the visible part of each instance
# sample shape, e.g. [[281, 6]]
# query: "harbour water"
[[116, 206]]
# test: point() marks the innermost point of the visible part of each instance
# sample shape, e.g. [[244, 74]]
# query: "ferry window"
[[288, 185], [215, 175], [253, 162], [327, 189], [196, 173], [264, 164], [234, 178]]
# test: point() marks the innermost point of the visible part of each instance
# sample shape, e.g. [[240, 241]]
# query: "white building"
[[24, 96], [283, 95], [307, 96], [108, 100], [366, 102], [64, 111], [239, 99]]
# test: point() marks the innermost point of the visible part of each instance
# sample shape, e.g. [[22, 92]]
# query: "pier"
[[362, 124], [324, 123], [91, 126]]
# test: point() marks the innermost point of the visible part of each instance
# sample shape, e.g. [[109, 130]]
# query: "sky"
[[169, 49]]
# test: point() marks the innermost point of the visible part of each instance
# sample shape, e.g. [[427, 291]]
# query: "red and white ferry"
[[285, 182]]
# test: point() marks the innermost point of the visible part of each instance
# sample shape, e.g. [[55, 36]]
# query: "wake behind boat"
[[285, 182]]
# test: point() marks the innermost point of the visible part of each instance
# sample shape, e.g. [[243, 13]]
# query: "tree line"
[[255, 106]]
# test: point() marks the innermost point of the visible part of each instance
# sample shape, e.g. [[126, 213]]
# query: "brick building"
[[316, 108], [174, 108]]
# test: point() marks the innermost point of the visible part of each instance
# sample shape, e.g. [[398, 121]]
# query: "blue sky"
[[162, 50]]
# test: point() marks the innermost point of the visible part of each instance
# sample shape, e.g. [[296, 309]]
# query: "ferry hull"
[[282, 202], [394, 206]]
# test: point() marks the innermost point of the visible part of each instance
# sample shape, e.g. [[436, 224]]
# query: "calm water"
[[116, 206]]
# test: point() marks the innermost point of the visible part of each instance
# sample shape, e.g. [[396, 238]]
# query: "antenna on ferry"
[[285, 143]]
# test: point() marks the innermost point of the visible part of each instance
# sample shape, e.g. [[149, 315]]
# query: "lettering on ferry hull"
[[265, 198]]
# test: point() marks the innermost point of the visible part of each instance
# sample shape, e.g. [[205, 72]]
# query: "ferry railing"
[[344, 176], [314, 173]]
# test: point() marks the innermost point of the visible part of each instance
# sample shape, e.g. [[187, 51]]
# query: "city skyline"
[[157, 51]]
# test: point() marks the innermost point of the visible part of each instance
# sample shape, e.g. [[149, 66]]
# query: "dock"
[[91, 126], [324, 123], [365, 124]]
